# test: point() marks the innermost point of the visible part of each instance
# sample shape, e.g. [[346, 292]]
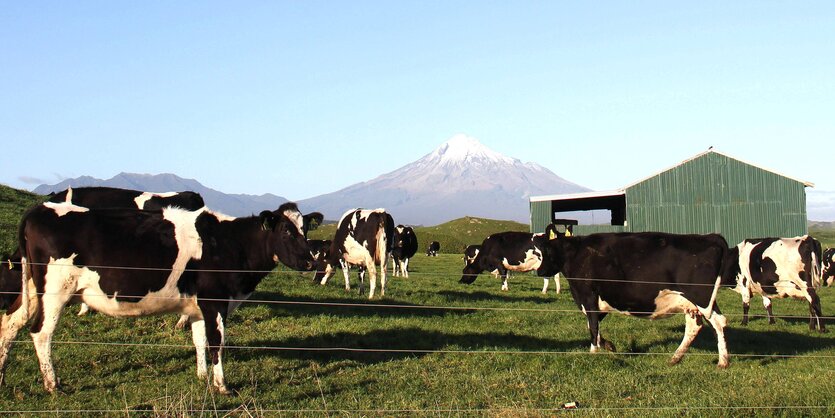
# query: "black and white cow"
[[363, 238], [828, 266], [432, 250], [111, 197], [780, 267], [651, 275], [196, 263], [404, 246], [504, 252], [116, 198], [319, 249]]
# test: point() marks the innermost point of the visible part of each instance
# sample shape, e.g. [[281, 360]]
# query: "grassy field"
[[518, 353], [441, 349]]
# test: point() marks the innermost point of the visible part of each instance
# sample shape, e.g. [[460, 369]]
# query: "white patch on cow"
[[532, 261], [64, 208], [786, 255], [166, 299], [142, 199], [766, 302], [356, 253], [604, 306], [296, 218], [221, 217], [198, 336], [669, 302]]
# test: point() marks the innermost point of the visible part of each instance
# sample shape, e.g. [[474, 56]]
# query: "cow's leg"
[[594, 316], [346, 273], [692, 326], [372, 279], [83, 310], [198, 336], [181, 323], [10, 324], [746, 304], [815, 314], [43, 328], [361, 275], [769, 313], [16, 317], [718, 322], [406, 268], [382, 277], [544, 285], [214, 318], [504, 273]]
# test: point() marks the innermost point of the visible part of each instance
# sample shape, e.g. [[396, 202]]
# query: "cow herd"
[[128, 253]]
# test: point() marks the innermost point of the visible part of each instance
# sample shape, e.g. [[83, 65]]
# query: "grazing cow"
[[779, 267], [404, 247], [645, 274], [504, 252], [319, 249], [432, 250], [196, 263], [470, 253], [363, 238], [828, 266]]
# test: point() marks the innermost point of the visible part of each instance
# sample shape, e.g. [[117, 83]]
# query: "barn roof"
[[622, 191], [711, 150]]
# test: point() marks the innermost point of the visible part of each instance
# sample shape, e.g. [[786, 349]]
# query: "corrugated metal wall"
[[540, 216], [715, 193]]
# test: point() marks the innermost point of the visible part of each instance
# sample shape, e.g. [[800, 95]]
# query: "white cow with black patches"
[[782, 268], [363, 238]]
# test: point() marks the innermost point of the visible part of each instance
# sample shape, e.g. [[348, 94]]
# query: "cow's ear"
[[312, 221], [268, 220]]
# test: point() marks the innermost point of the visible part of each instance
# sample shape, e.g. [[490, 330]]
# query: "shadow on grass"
[[405, 343], [362, 307], [539, 298]]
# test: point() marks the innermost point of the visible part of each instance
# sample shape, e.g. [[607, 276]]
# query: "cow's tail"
[[708, 311], [25, 267], [816, 271]]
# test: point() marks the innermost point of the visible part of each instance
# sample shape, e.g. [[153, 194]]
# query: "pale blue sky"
[[303, 98]]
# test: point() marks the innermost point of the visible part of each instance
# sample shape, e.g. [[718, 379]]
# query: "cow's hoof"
[[223, 390], [675, 360], [608, 346], [722, 365]]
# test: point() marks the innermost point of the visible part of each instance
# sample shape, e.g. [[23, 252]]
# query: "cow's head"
[[10, 279], [553, 255], [311, 221], [287, 241]]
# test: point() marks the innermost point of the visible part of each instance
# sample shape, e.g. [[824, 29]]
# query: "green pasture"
[[430, 347], [441, 348]]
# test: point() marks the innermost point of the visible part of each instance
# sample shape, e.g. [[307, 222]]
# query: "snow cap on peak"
[[462, 147]]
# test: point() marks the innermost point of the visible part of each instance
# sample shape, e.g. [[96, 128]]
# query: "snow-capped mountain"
[[230, 204], [462, 177]]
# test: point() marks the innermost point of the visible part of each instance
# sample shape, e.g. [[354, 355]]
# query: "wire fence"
[[418, 351]]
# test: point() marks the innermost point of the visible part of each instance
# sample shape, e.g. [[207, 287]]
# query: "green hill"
[[13, 203], [454, 235]]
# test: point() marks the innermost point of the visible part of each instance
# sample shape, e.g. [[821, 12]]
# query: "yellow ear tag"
[[10, 264]]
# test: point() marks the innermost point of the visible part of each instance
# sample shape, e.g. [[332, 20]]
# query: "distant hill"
[[13, 204], [462, 177], [230, 204], [454, 235]]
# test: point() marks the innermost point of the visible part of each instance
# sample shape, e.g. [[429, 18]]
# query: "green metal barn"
[[710, 192]]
